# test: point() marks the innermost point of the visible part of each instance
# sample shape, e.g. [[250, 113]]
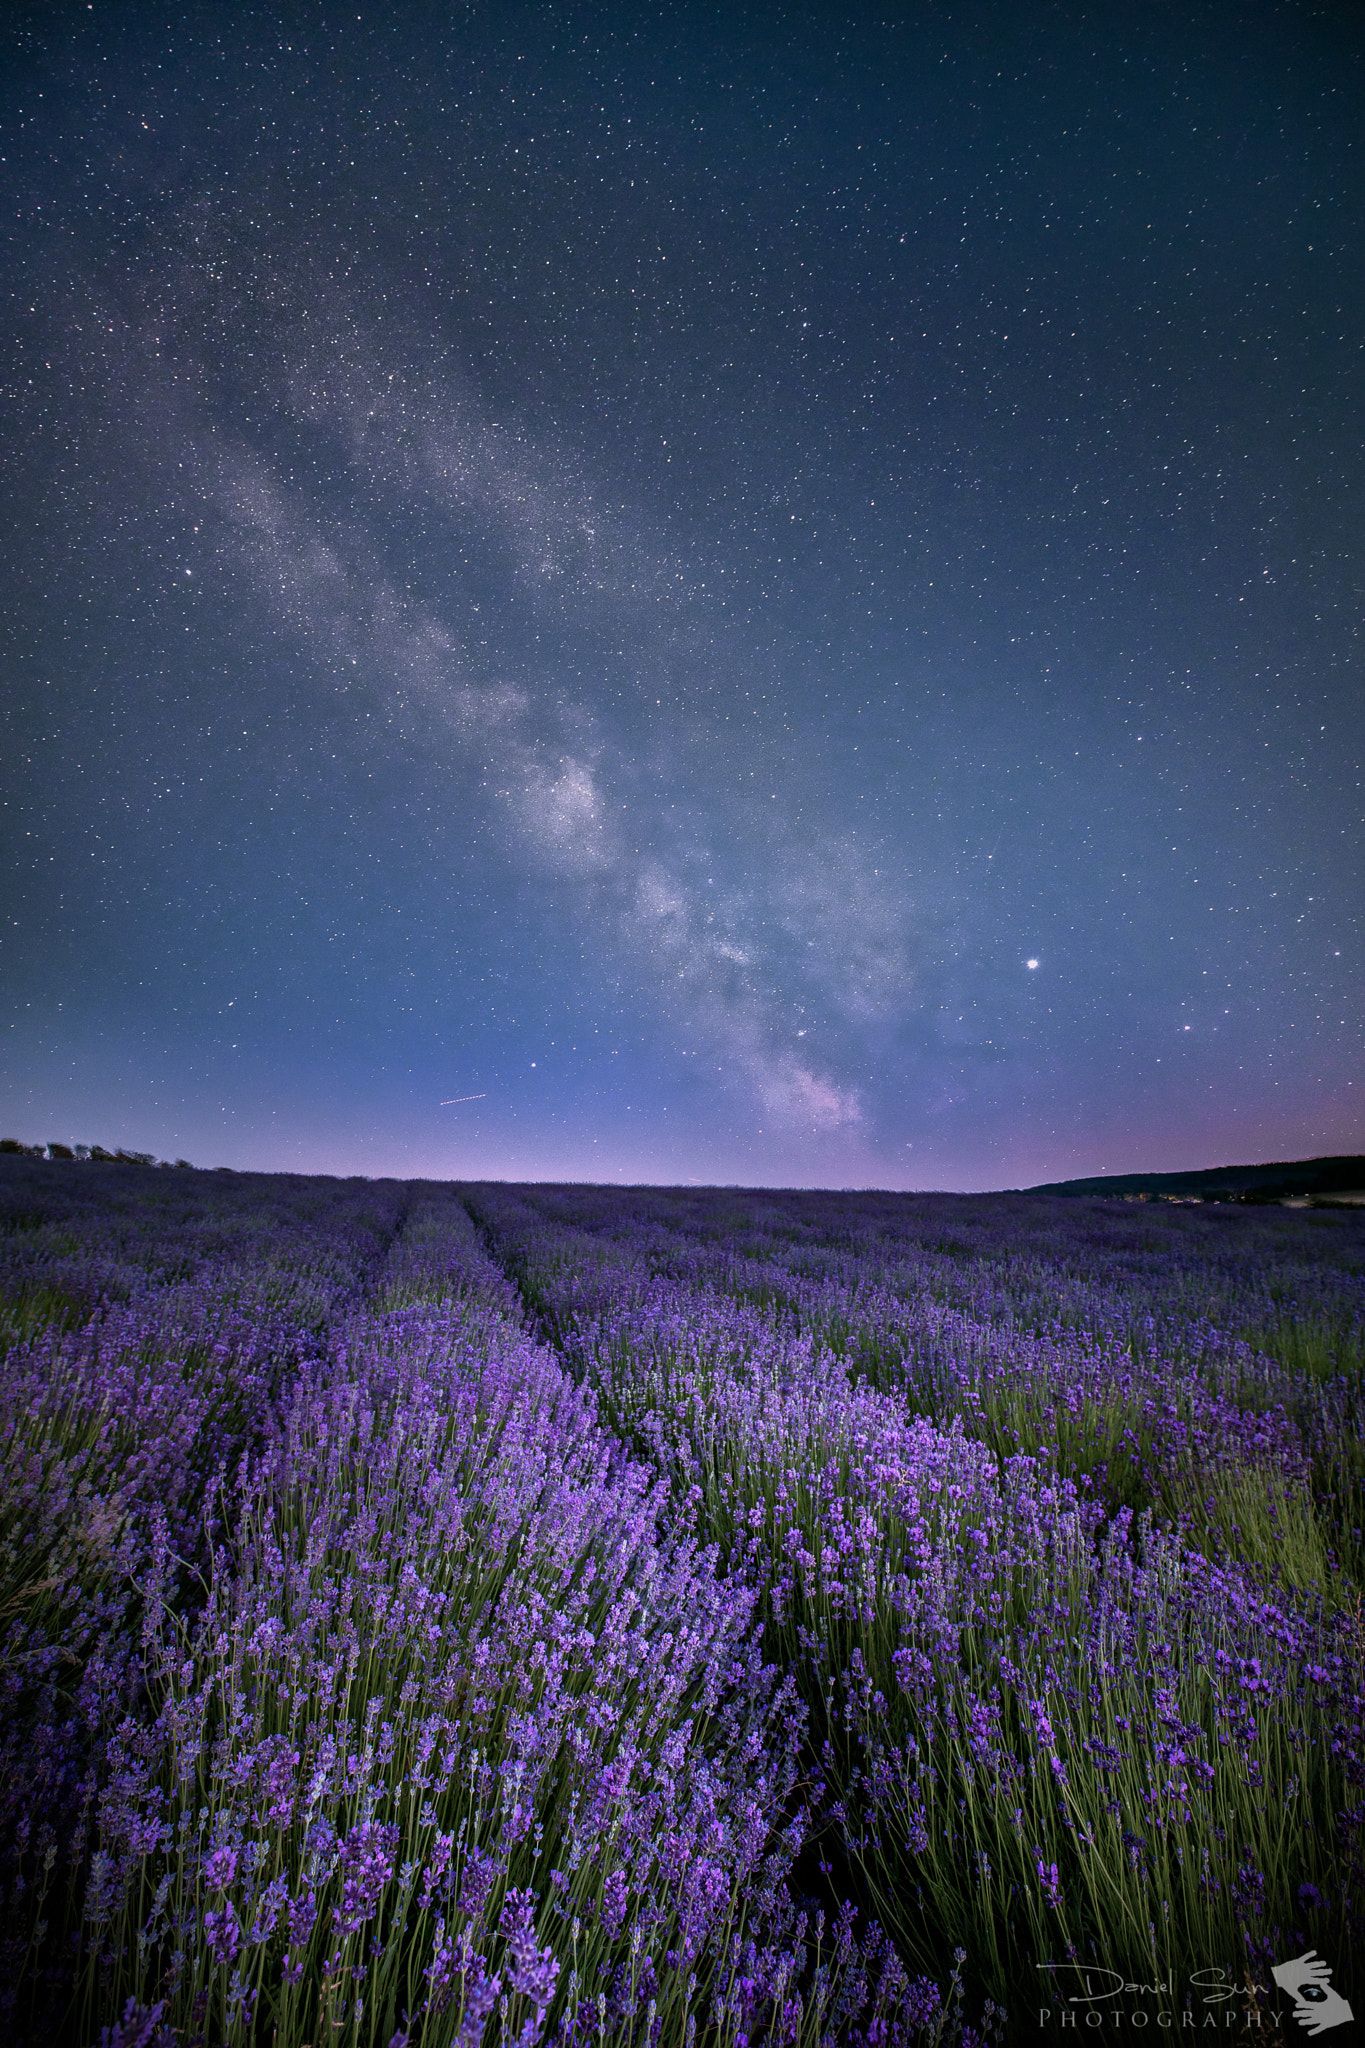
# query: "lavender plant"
[[561, 1615], [1050, 1727]]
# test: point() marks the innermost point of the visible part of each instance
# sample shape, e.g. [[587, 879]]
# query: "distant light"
[[1030, 964]]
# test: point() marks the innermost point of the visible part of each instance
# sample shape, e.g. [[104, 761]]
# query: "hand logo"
[[1309, 1983]]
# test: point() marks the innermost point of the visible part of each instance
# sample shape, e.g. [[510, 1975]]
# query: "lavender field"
[[483, 1614]]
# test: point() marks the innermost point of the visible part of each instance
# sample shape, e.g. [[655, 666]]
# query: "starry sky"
[[726, 593]]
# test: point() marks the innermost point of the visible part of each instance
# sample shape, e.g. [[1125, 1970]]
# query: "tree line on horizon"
[[55, 1149]]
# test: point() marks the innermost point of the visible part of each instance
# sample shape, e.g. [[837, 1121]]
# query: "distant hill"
[[1277, 1180]]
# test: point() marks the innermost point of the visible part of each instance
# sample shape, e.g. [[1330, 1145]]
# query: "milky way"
[[744, 598]]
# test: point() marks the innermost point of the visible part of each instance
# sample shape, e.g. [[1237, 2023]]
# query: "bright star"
[[1030, 964]]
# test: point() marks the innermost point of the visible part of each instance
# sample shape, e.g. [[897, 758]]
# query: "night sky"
[[763, 595]]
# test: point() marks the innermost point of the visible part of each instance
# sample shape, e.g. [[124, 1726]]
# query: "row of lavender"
[[1054, 1515], [149, 1329], [359, 1682], [1167, 1360]]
